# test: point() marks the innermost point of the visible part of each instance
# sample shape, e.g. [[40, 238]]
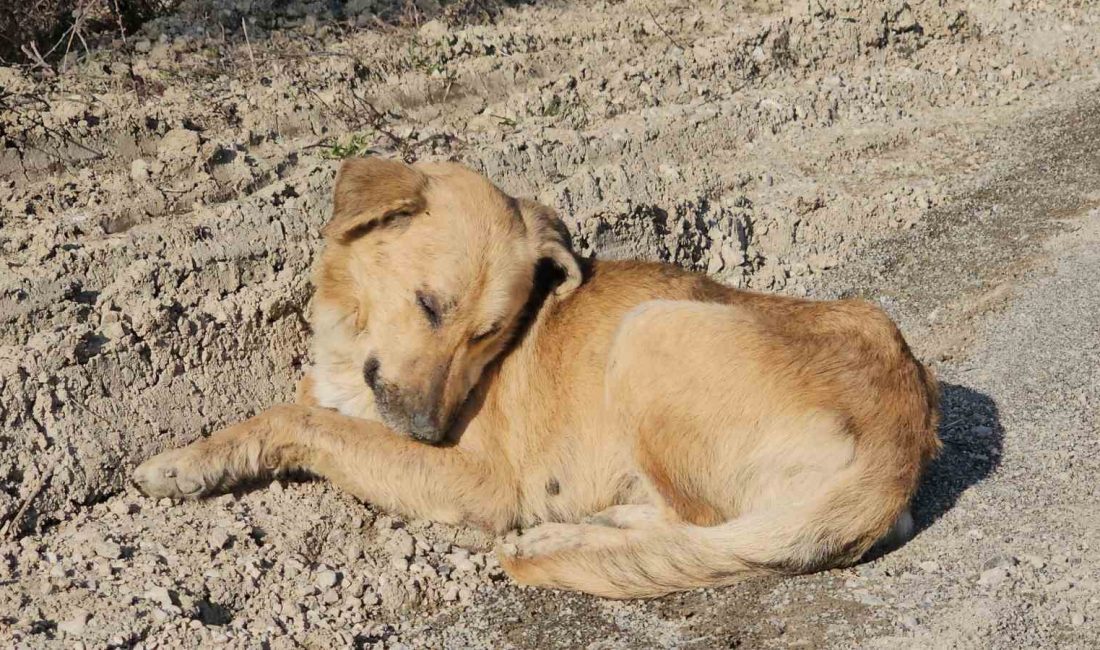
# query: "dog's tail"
[[660, 557]]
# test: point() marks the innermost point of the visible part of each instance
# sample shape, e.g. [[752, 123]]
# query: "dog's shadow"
[[973, 440]]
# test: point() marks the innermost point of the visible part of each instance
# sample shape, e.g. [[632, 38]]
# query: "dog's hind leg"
[[365, 458]]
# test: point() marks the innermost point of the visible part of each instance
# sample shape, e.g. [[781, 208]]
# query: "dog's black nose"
[[424, 428], [370, 373]]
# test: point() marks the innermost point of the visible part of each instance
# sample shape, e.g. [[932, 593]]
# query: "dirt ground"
[[160, 203]]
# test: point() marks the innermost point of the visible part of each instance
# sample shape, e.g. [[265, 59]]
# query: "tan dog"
[[712, 432]]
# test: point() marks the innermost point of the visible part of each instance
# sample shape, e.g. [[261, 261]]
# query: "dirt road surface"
[[160, 200]]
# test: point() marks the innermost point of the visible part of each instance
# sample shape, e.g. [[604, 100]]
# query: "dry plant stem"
[[118, 19], [248, 42], [663, 30], [11, 525]]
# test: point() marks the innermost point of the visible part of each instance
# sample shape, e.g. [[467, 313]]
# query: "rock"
[[160, 595], [1000, 561], [218, 539], [929, 566], [993, 577], [108, 549], [450, 592], [463, 565], [402, 544], [325, 579], [904, 21], [371, 599], [1035, 562], [868, 598], [121, 507], [76, 624], [179, 145], [433, 30], [139, 171], [330, 596], [1077, 619]]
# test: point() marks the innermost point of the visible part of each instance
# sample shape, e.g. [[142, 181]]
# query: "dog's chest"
[[353, 401]]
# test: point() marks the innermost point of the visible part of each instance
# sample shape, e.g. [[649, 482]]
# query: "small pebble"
[[218, 540], [160, 595], [123, 508], [108, 549], [993, 577], [450, 593], [76, 624]]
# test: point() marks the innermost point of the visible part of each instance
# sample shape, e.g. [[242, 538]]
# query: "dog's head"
[[424, 277]]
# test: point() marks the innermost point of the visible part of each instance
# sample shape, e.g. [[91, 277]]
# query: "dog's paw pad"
[[546, 539], [627, 516]]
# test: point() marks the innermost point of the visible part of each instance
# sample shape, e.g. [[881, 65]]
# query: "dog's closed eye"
[[485, 333], [430, 306]]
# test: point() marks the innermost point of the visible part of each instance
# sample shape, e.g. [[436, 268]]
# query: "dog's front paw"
[[179, 473]]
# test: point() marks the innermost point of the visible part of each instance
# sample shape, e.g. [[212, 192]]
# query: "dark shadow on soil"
[[972, 443]]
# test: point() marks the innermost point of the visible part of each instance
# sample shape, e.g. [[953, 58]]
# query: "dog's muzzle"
[[403, 411]]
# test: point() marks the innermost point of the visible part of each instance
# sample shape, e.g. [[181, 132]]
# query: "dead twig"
[[376, 119], [12, 524], [93, 414], [663, 30], [30, 50], [248, 42], [118, 19], [74, 31], [52, 132]]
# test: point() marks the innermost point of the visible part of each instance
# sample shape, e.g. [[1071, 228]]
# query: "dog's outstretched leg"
[[365, 458]]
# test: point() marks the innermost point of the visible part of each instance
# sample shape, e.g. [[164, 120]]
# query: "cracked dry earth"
[[160, 201]]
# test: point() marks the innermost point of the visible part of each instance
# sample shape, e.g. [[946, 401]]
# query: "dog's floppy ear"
[[370, 190], [551, 240]]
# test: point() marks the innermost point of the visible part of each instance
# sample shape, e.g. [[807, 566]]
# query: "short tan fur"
[[649, 428]]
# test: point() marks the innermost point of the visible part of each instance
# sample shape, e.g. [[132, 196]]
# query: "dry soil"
[[161, 195]]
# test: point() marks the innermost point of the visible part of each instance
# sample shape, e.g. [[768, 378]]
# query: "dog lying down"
[[649, 429]]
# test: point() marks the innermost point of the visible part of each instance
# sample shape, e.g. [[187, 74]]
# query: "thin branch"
[[118, 19], [663, 30], [251, 56], [11, 525], [30, 50], [59, 135]]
